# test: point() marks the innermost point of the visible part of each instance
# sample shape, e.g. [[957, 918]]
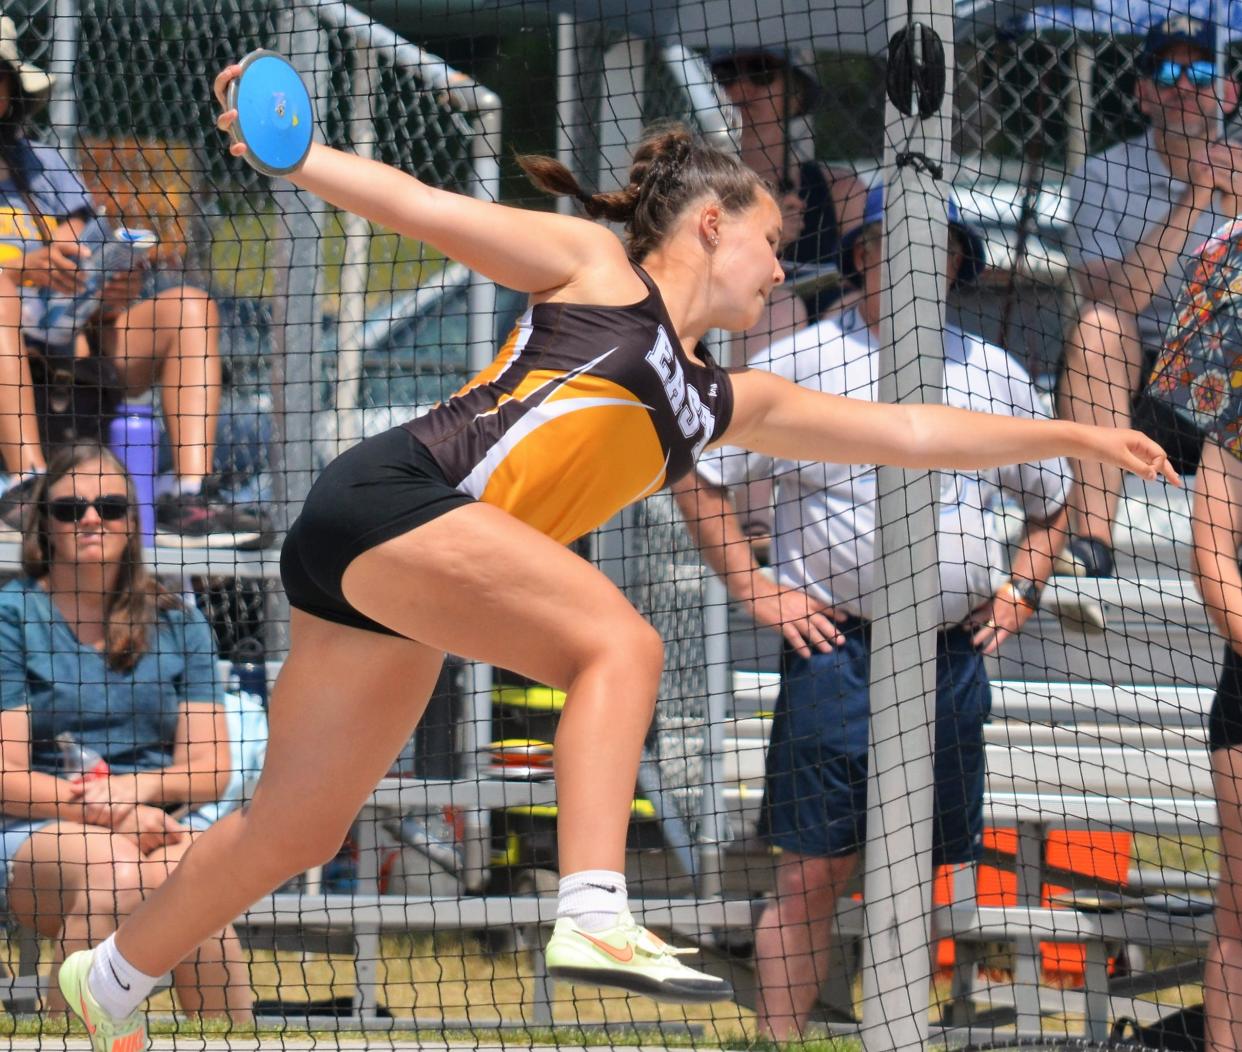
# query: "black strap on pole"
[[916, 74]]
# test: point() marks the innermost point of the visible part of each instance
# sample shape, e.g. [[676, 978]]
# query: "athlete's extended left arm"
[[779, 418]]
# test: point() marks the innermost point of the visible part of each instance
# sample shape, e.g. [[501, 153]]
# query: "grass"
[[566, 1036], [460, 981], [244, 256], [1192, 854], [424, 977]]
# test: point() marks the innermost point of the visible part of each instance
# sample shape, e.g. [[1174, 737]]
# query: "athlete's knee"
[[632, 650]]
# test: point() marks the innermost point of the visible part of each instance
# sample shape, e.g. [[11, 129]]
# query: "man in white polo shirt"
[[818, 594]]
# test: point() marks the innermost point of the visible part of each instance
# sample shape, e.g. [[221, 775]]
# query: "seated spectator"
[[152, 328], [98, 661], [1138, 209], [769, 86], [819, 596]]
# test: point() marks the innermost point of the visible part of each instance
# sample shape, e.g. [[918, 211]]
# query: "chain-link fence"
[[1072, 879]]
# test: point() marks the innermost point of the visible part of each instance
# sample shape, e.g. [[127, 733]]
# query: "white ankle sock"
[[592, 898], [189, 487], [116, 984]]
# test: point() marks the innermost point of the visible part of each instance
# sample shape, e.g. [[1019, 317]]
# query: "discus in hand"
[[275, 116]]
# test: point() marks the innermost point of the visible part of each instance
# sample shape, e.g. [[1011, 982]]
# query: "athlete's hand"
[[1131, 451], [804, 621], [228, 117]]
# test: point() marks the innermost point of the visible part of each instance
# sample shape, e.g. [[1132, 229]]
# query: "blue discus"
[[275, 116]]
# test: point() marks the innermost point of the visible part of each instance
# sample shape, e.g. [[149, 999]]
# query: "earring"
[[714, 240]]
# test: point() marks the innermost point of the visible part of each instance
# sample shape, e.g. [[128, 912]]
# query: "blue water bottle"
[[134, 437]]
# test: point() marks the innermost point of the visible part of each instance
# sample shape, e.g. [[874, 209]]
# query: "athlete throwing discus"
[[448, 533]]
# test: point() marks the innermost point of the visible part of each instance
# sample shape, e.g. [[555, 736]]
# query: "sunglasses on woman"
[[111, 507], [1199, 74], [757, 71]]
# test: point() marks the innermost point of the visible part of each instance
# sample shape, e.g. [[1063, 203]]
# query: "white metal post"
[[898, 879], [297, 313], [355, 267], [481, 297], [63, 104]]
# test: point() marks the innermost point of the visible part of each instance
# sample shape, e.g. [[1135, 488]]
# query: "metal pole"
[[714, 825], [63, 104], [718, 124], [355, 267], [621, 114], [568, 100], [898, 879], [481, 298], [714, 830], [296, 312]]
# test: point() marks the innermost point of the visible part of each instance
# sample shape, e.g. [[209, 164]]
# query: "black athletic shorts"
[[1159, 421], [381, 488], [1225, 721]]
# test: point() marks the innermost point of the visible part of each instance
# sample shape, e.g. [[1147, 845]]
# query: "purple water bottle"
[[134, 438]]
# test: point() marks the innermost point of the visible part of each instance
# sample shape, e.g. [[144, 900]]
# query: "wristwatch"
[[1025, 591]]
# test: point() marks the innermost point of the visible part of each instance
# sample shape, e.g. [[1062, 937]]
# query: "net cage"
[[988, 809]]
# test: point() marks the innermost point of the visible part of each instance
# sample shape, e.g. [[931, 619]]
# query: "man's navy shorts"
[[815, 799]]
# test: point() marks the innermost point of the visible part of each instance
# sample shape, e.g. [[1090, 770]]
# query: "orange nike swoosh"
[[624, 956], [86, 1016]]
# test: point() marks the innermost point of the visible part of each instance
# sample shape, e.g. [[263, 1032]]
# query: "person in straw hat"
[[149, 328]]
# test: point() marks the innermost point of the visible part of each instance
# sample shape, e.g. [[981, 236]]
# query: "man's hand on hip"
[[805, 622]]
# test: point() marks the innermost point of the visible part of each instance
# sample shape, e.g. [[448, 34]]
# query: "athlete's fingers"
[[221, 84]]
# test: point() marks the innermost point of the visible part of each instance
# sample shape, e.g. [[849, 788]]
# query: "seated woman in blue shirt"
[[93, 651]]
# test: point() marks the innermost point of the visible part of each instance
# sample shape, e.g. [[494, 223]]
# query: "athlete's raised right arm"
[[524, 249]]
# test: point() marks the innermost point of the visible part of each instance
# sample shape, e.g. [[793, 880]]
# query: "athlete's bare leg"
[[475, 582]]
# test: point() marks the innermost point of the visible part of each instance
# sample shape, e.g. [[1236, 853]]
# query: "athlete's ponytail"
[[672, 168]]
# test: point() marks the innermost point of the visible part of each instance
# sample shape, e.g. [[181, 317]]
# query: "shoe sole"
[[670, 991]]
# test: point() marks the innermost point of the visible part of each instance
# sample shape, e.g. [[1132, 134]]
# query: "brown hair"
[[672, 167], [137, 598]]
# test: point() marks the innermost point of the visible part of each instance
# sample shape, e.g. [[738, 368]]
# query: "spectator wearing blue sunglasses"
[[1140, 209]]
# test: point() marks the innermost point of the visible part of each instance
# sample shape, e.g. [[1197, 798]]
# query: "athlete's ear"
[[709, 225]]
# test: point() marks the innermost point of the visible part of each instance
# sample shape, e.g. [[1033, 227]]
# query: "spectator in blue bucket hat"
[[967, 254]]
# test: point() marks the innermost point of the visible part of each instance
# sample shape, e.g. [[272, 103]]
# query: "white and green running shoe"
[[107, 1034], [629, 957]]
